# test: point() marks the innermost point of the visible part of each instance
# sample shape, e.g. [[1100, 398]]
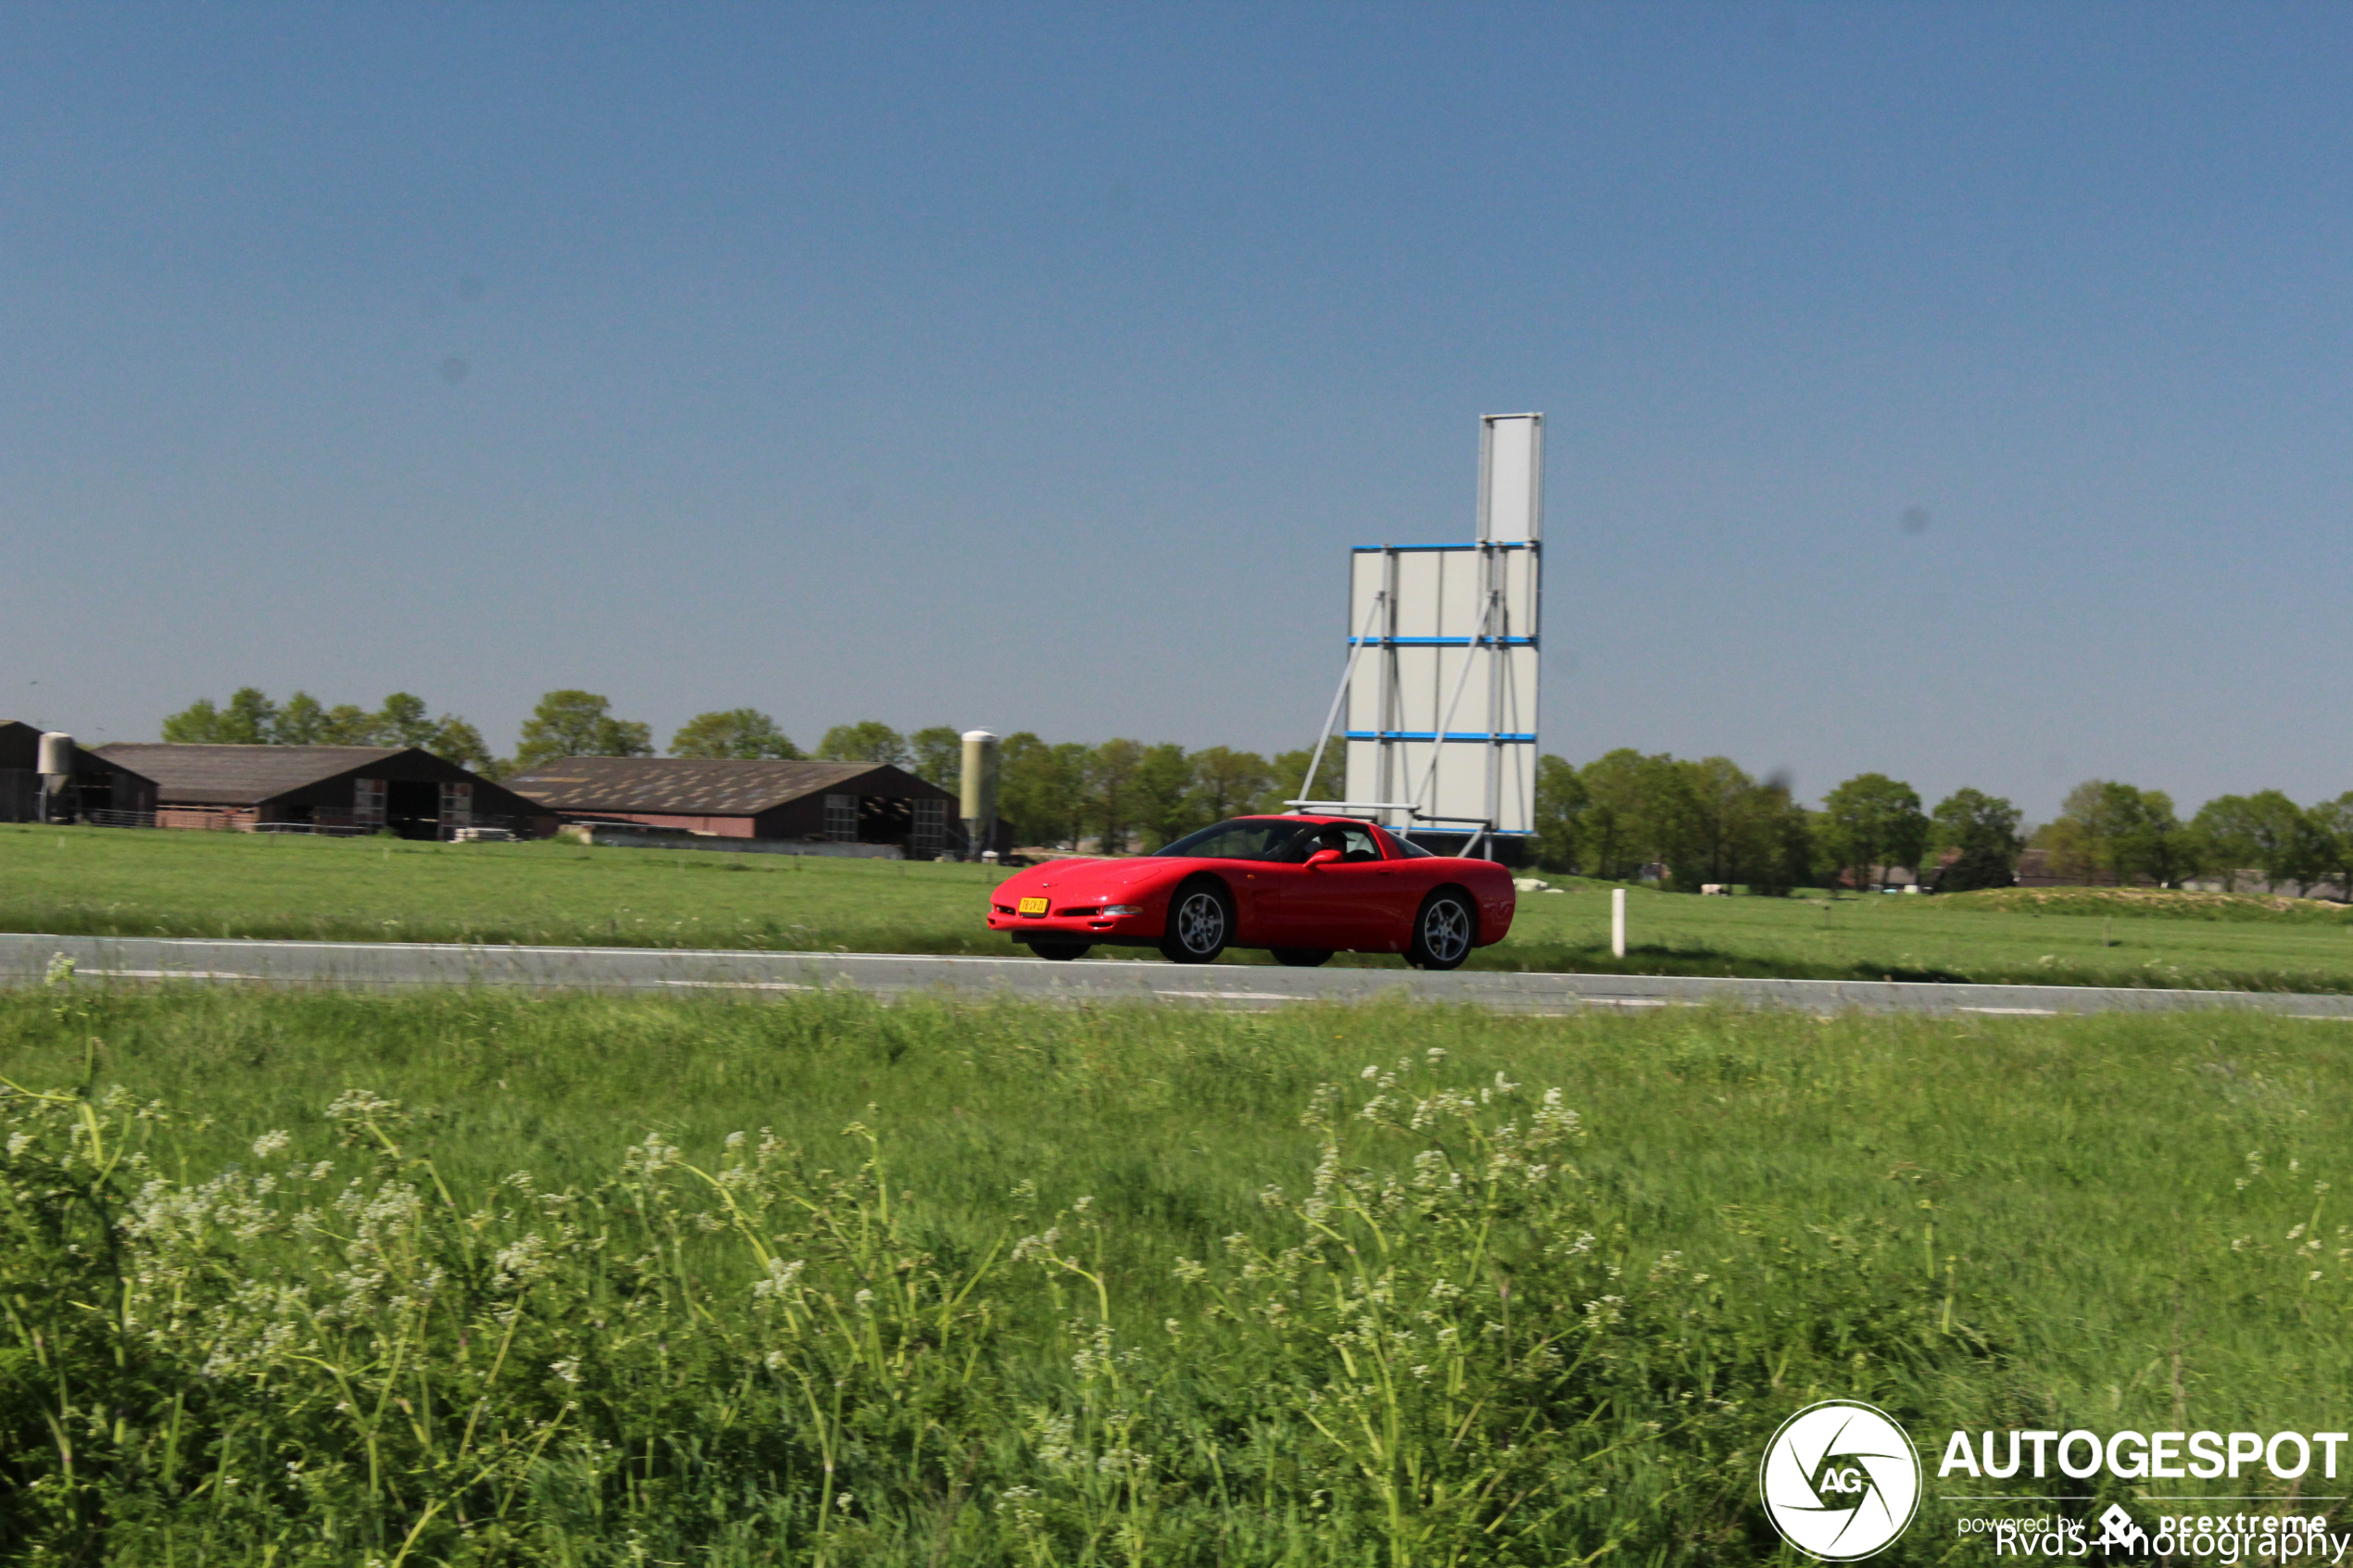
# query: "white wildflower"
[[781, 1278]]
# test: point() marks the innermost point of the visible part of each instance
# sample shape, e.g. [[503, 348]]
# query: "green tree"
[[1291, 781], [300, 722], [1870, 822], [1730, 820], [454, 740], [2078, 839], [1561, 801], [577, 724], [1791, 848], [251, 719], [347, 724], [1639, 810], [2265, 831], [2145, 839], [2289, 846], [1613, 830], [938, 754], [1164, 794], [1110, 771], [2332, 821], [1041, 788], [1984, 829], [404, 720], [871, 741], [740, 734], [197, 725], [2226, 837], [1228, 782]]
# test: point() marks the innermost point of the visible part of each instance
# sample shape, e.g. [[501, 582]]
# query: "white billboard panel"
[[1439, 698], [1511, 477], [1444, 643]]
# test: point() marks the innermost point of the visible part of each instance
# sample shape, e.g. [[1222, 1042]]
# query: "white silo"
[[979, 805], [56, 774]]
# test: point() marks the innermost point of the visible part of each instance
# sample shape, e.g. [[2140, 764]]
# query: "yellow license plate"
[[1033, 906]]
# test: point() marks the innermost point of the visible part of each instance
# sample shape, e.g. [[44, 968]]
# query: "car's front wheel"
[[1200, 921], [1301, 958], [1443, 932], [1061, 952]]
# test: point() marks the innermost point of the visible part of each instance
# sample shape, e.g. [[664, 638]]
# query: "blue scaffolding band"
[[1481, 736], [1465, 545], [1441, 642], [1420, 832]]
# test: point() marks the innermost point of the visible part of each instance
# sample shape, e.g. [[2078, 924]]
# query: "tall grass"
[[481, 1279]]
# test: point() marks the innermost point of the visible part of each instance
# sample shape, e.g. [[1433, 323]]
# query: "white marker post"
[[1617, 922]]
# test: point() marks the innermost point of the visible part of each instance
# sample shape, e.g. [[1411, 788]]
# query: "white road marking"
[[169, 974], [2020, 1012], [1236, 995]]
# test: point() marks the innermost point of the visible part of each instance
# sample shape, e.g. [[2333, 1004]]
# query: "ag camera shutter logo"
[[1840, 1480]]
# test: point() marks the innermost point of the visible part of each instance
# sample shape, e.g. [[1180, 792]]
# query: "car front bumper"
[[1142, 928]]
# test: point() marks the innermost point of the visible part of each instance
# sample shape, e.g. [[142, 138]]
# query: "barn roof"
[[20, 747], [702, 786], [240, 775]]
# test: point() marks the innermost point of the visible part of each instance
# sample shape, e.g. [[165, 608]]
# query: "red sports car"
[[1301, 886]]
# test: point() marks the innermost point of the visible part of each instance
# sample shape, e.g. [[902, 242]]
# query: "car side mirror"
[[1323, 858]]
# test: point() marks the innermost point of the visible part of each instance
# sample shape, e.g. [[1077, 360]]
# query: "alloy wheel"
[[1446, 930]]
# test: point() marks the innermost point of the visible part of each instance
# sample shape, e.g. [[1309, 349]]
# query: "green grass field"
[[113, 882], [244, 1327]]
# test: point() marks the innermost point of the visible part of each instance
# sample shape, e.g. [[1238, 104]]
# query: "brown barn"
[[843, 802], [351, 789], [99, 786]]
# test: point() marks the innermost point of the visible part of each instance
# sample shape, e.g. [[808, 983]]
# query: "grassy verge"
[[2153, 903], [1081, 1285], [100, 882]]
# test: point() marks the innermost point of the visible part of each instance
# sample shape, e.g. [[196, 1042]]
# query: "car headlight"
[[1122, 909]]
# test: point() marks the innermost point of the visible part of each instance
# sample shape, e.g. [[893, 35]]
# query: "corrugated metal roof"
[[239, 775], [697, 786]]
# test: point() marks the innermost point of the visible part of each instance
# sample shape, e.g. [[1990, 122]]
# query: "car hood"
[[1076, 881]]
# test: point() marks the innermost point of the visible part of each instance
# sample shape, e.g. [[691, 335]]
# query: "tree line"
[[2107, 829], [1709, 821], [1698, 822], [250, 718]]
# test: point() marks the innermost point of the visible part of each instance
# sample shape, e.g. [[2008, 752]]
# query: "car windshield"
[[1247, 838]]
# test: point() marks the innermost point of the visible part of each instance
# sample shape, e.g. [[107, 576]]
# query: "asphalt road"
[[26, 959]]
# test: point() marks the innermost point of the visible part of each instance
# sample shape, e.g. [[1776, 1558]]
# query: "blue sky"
[[1033, 368]]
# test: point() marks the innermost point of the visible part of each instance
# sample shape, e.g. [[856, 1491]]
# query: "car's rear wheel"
[[1444, 932], [1200, 921], [1062, 952], [1301, 958]]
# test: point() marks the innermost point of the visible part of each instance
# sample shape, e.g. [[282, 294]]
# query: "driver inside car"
[[1354, 844]]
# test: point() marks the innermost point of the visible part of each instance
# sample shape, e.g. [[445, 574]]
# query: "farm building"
[[99, 786], [325, 789], [842, 802]]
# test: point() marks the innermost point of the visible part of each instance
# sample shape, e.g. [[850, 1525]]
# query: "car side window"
[[1360, 846], [1406, 849]]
